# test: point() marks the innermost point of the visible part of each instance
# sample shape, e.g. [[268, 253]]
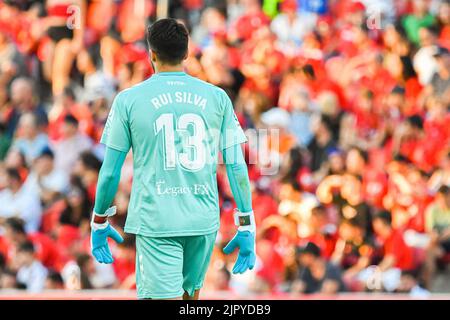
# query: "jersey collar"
[[172, 73]]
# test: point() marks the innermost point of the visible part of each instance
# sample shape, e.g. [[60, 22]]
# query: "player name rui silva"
[[179, 97]]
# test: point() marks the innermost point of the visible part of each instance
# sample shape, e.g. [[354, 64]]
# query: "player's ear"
[[152, 56]]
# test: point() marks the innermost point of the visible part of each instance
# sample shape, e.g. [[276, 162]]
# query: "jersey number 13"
[[192, 142]]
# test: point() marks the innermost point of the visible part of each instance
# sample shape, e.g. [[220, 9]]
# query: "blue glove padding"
[[245, 240], [99, 243]]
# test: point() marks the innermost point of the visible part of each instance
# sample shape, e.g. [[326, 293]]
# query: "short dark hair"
[[353, 222], [308, 70], [327, 122], [309, 248], [14, 174], [169, 39], [90, 161], [47, 152], [434, 30], [385, 217], [26, 247], [415, 121], [17, 225], [82, 259], [444, 190], [70, 119], [55, 276], [319, 210], [362, 153]]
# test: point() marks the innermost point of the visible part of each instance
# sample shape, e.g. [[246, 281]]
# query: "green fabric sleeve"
[[238, 177], [108, 179]]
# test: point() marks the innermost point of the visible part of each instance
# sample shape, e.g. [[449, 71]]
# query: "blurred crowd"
[[358, 92]]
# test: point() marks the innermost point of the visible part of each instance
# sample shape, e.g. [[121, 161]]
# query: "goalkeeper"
[[176, 126]]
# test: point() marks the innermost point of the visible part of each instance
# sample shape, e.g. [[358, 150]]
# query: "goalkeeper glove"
[[244, 240], [100, 232]]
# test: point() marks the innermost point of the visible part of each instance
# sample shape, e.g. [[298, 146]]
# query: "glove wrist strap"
[[245, 220], [100, 226]]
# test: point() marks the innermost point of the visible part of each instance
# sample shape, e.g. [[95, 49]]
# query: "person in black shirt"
[[316, 275], [322, 143]]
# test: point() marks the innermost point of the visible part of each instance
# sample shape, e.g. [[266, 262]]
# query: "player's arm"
[[240, 187], [238, 177], [117, 138], [108, 182]]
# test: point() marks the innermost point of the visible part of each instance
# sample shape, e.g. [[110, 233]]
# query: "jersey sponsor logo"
[[162, 189]]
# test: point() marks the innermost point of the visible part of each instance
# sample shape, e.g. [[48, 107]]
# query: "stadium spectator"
[[18, 201], [66, 105], [8, 280], [410, 285], [322, 142], [440, 82], [222, 279], [396, 257], [31, 141], [54, 281], [45, 180], [45, 249], [420, 17], [291, 26], [30, 271], [125, 263], [316, 274], [424, 62], [62, 43], [86, 168], [396, 254], [354, 251], [5, 142], [78, 205], [437, 225], [71, 145], [24, 99]]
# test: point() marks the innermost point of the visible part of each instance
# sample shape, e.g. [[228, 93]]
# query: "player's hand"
[[245, 241], [99, 239], [99, 243]]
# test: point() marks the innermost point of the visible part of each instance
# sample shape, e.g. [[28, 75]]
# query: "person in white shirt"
[[97, 84], [291, 26], [31, 272], [17, 201], [45, 179], [73, 143], [31, 141], [424, 62]]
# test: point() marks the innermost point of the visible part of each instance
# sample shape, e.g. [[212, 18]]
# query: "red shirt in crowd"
[[249, 23], [123, 268], [396, 246], [81, 112], [45, 248], [374, 187], [272, 263]]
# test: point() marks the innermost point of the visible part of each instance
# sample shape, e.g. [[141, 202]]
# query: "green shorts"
[[168, 267]]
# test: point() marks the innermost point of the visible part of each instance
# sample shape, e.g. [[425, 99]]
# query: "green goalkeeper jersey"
[[176, 125]]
